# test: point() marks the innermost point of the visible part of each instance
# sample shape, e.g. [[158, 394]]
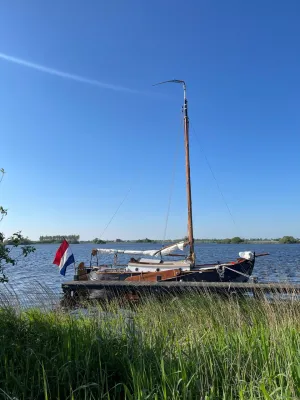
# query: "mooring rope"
[[237, 272]]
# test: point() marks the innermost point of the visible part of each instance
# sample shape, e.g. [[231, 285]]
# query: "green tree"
[[146, 240], [225, 241], [7, 256], [237, 240], [288, 240], [73, 239], [98, 241]]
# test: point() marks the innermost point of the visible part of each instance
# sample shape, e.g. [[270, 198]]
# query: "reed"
[[196, 347]]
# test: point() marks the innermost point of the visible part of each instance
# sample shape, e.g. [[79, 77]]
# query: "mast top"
[[174, 81], [171, 80]]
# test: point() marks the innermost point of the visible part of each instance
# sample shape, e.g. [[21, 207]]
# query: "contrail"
[[66, 75]]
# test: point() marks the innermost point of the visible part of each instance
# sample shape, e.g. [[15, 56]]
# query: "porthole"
[[157, 270], [136, 269]]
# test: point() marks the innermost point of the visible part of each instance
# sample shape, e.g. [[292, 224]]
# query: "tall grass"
[[196, 347]]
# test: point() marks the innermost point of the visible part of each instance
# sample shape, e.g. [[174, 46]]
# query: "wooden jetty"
[[111, 289]]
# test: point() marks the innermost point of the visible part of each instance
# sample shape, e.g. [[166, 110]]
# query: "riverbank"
[[190, 348]]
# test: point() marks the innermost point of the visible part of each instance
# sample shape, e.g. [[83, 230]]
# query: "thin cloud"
[[66, 75]]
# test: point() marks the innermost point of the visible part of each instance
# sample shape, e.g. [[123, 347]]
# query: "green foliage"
[[237, 240], [3, 213], [225, 241], [23, 240], [146, 240], [73, 239], [234, 240], [189, 348], [98, 241], [8, 254], [288, 240]]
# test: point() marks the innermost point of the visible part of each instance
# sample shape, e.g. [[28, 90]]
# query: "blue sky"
[[81, 124]]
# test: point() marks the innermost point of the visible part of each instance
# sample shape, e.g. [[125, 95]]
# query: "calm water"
[[282, 265]]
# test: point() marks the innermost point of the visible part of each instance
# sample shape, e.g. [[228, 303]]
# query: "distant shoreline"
[[197, 241], [75, 239]]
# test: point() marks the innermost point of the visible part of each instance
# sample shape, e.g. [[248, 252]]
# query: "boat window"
[[136, 269], [158, 278]]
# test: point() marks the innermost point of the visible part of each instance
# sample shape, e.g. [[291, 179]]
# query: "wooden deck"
[[127, 286]]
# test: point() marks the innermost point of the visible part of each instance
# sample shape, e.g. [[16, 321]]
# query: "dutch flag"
[[64, 257]]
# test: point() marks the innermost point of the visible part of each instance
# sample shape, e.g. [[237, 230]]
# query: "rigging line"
[[120, 205], [2, 172], [171, 193], [213, 175], [3, 213]]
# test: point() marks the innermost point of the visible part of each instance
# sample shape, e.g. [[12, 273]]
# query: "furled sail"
[[132, 252], [173, 247], [152, 253], [109, 251]]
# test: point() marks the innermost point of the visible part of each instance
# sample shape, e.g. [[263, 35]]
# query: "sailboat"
[[157, 268]]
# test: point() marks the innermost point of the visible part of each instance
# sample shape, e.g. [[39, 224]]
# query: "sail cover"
[[247, 255], [174, 247], [152, 253], [132, 252]]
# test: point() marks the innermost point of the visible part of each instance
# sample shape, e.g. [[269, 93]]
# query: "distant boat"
[[157, 268]]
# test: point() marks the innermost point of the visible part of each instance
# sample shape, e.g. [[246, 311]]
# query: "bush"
[[98, 241], [224, 241], [288, 240], [237, 240]]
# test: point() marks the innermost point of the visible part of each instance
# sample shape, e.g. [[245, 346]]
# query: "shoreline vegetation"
[[75, 239], [192, 347]]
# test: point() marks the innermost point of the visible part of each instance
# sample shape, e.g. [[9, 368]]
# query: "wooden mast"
[[187, 169], [188, 175]]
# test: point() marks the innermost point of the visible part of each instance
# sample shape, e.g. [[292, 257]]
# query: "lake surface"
[[282, 265]]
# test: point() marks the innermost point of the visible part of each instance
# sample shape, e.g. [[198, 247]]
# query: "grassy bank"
[[195, 348]]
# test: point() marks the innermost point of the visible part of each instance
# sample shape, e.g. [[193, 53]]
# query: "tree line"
[[234, 240], [237, 240], [59, 238], [98, 241]]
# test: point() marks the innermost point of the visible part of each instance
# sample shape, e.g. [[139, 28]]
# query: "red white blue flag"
[[64, 257]]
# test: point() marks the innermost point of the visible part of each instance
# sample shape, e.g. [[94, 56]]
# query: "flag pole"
[[76, 276]]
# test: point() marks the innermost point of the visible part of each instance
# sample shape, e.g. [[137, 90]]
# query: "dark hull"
[[240, 271]]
